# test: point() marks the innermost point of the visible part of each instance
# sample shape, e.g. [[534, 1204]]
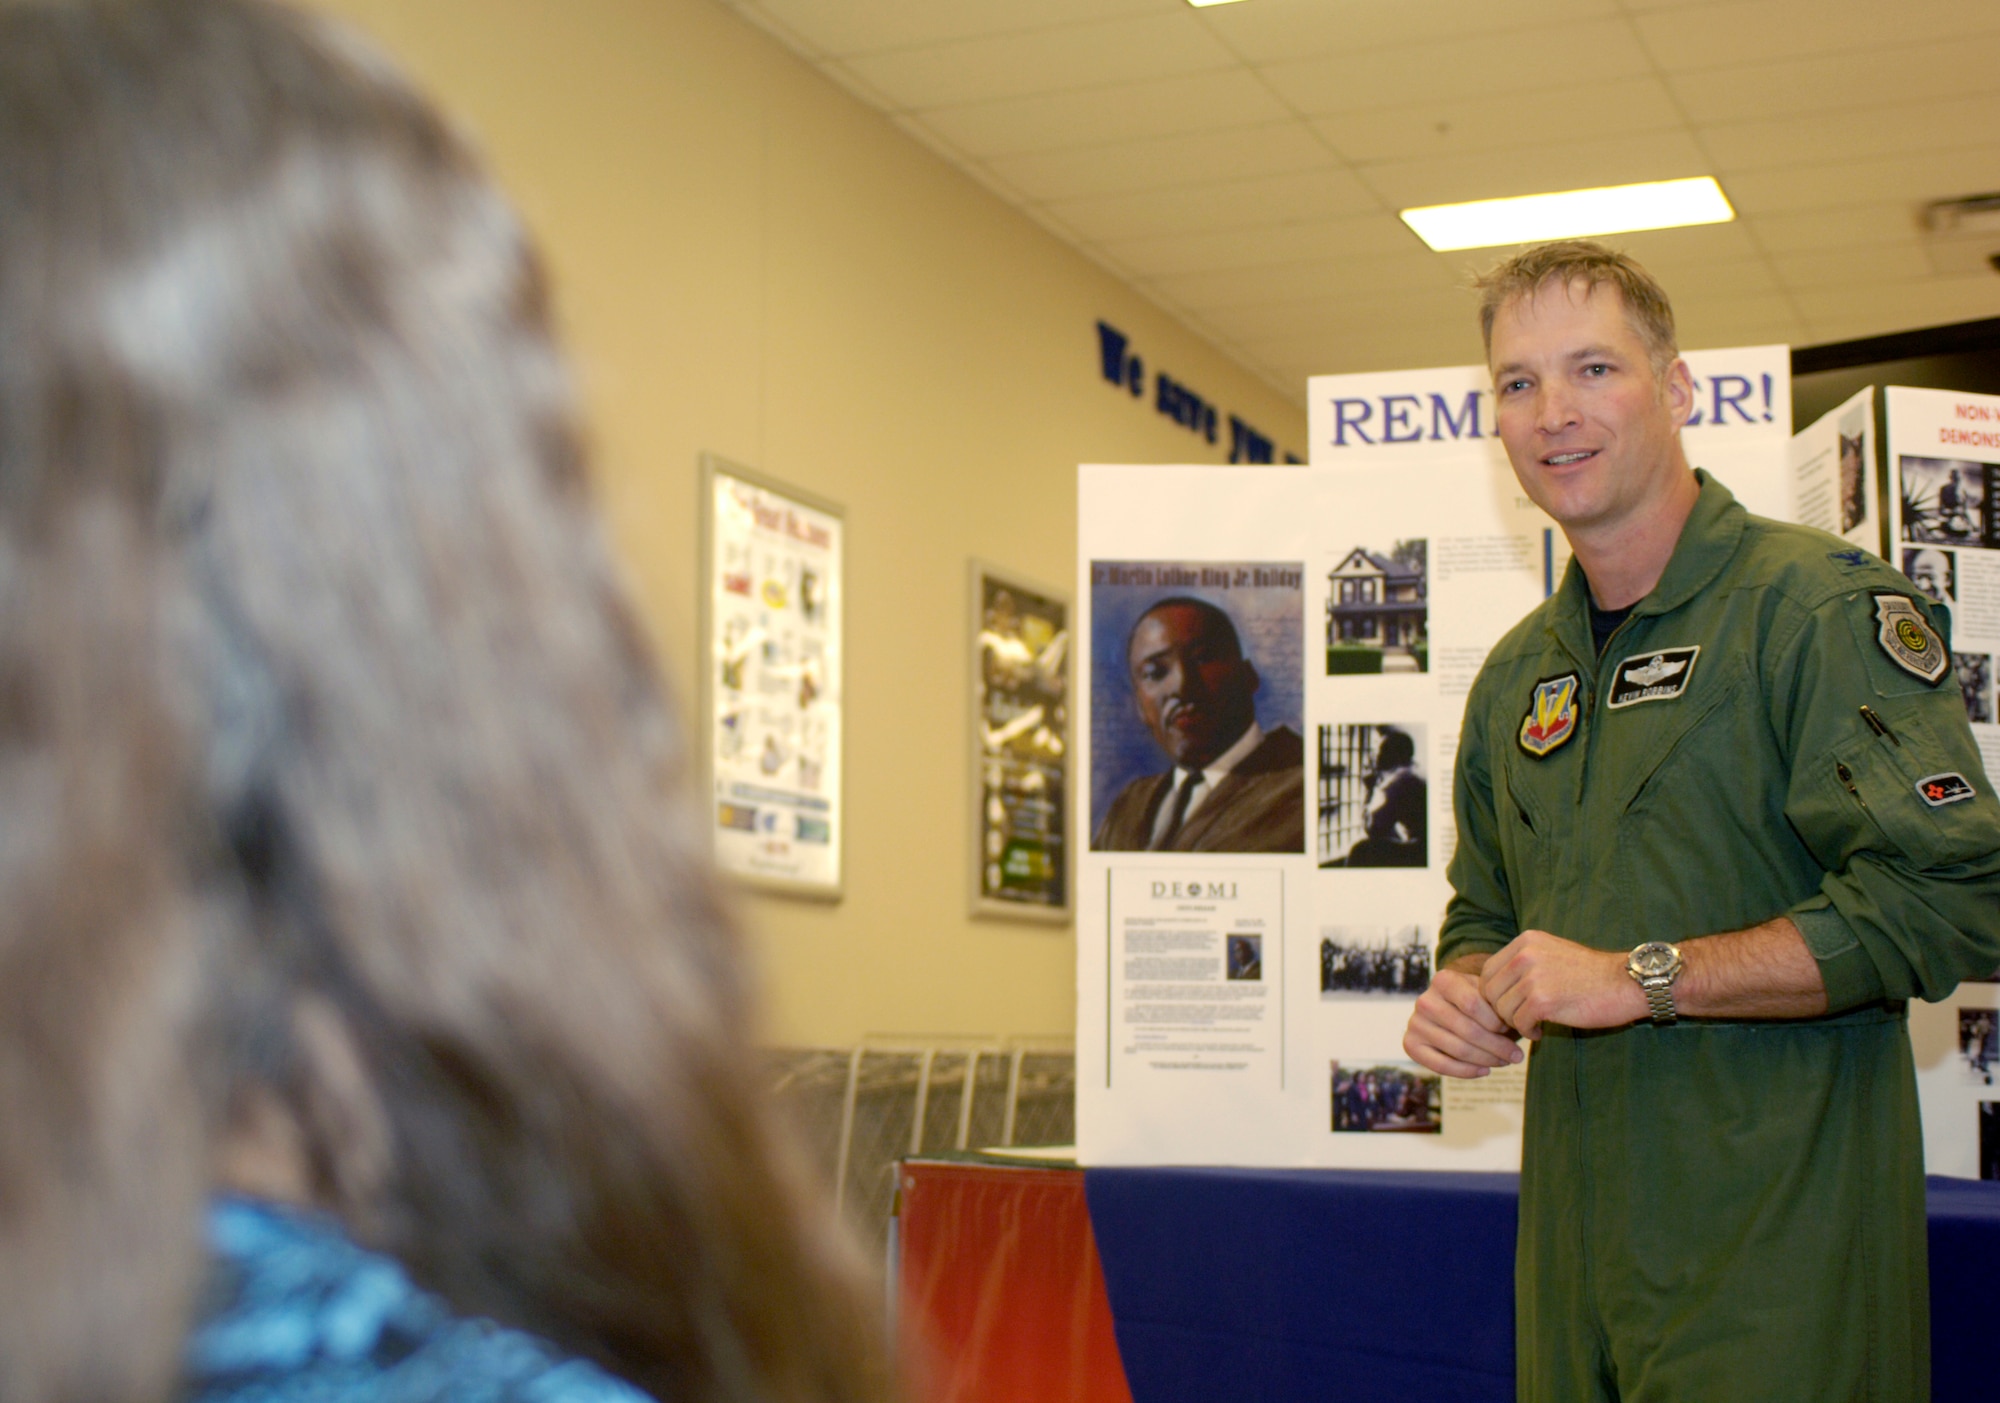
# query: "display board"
[[771, 597], [1833, 474], [1245, 1003], [1944, 514]]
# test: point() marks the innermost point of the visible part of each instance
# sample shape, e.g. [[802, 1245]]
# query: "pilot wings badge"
[[1658, 676], [1551, 718], [1908, 640]]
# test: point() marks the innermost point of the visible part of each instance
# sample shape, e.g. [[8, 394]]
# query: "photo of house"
[[1377, 611]]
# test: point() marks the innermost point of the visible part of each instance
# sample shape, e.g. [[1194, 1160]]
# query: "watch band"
[[1660, 998]]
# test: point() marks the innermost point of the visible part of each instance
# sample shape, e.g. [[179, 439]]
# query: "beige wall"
[[751, 263]]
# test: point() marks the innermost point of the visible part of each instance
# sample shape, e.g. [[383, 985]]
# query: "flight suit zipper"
[[1595, 672]]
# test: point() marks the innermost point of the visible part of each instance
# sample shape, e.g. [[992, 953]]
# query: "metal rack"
[[861, 1109]]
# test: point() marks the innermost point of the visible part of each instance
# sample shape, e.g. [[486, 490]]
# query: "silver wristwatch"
[[1656, 965]]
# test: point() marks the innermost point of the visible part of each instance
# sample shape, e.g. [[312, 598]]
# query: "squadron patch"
[[1947, 788], [1551, 718], [1908, 640], [1645, 677]]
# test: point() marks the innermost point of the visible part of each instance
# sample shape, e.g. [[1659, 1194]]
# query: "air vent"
[[1962, 236]]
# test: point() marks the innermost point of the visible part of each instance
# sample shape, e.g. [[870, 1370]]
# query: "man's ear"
[[1250, 671], [1677, 389]]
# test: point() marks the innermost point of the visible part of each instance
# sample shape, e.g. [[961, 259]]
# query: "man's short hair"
[[1569, 261], [1397, 749], [1214, 613]]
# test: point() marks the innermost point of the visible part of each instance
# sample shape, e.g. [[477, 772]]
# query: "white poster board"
[[1833, 473], [1944, 515], [1248, 1007]]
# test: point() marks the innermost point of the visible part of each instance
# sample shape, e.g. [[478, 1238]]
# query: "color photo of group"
[[1388, 1097]]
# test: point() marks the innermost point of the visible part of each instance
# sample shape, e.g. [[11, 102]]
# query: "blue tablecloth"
[[1364, 1287]]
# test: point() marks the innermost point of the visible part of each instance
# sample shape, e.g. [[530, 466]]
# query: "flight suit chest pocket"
[[1656, 745], [1522, 803]]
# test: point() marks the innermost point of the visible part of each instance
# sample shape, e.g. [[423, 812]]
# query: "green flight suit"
[[1714, 1209]]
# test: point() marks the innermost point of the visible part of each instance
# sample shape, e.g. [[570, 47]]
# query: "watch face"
[[1654, 959]]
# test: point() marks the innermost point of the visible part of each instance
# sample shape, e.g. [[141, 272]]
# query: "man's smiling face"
[[1592, 431]]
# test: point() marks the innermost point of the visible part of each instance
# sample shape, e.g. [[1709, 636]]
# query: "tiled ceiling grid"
[[1242, 165]]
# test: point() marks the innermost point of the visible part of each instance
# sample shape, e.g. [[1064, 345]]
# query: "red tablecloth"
[[1001, 1294]]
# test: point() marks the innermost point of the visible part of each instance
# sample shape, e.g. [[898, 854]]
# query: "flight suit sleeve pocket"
[[1932, 815]]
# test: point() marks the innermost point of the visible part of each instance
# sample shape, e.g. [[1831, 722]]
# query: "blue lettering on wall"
[[1111, 349], [1121, 365], [1465, 425], [1246, 445], [1183, 406]]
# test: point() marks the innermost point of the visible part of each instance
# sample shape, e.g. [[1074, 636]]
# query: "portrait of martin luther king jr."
[[1232, 787]]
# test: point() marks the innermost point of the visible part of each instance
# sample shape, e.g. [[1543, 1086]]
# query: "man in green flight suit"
[[1718, 820]]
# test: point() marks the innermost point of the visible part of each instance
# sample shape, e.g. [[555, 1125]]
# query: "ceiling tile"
[[1747, 278], [1458, 69], [1270, 31], [1148, 164], [1168, 254], [1344, 348], [1828, 82], [1345, 275], [839, 27], [1842, 314], [1451, 128], [1728, 34], [1938, 125], [1866, 266], [1734, 321], [1164, 107], [1916, 177], [1845, 226], [1438, 306], [1097, 55], [1672, 251], [1566, 166], [1273, 199]]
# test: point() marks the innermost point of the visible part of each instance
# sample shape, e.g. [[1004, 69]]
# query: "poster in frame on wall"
[[1020, 743], [772, 600]]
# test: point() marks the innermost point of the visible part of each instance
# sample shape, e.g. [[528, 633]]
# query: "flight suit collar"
[[1708, 542]]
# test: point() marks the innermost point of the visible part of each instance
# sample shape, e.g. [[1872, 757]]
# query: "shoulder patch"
[[1853, 558], [1655, 676], [1908, 639], [1947, 788], [1552, 713]]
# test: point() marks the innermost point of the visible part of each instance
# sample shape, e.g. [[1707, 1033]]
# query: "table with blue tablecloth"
[[1369, 1287]]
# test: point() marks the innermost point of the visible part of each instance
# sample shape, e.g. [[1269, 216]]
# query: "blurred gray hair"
[[438, 798]]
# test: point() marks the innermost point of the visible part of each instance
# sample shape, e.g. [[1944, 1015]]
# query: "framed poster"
[[1020, 748], [772, 594]]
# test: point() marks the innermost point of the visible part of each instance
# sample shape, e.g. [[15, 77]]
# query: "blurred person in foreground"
[[1718, 822], [346, 860]]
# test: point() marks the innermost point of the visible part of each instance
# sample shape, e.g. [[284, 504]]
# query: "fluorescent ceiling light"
[[1204, 4], [1571, 214]]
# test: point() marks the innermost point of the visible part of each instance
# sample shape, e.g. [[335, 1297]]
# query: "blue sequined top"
[[296, 1313]]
